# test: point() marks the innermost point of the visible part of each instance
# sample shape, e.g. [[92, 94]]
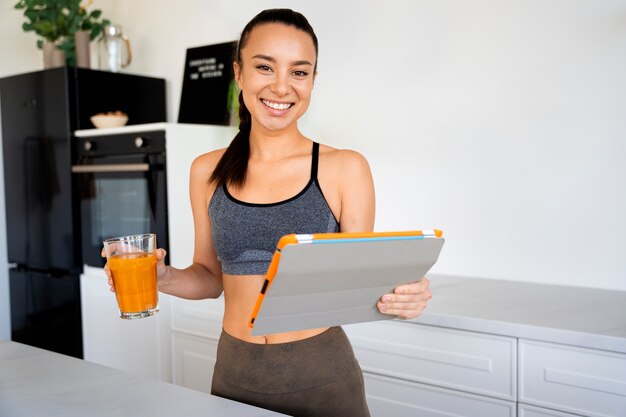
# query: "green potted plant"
[[60, 22]]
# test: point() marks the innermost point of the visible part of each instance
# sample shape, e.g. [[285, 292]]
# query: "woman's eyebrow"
[[271, 59]]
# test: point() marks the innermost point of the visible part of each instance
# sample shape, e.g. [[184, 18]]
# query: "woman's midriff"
[[240, 295]]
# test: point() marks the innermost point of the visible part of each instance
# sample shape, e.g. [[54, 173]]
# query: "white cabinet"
[[399, 398], [429, 371], [531, 411], [416, 369], [196, 326], [472, 362], [570, 379], [193, 360], [136, 346]]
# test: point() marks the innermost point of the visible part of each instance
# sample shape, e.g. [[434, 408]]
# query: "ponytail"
[[232, 167]]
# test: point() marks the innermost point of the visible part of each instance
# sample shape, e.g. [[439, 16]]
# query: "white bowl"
[[108, 120]]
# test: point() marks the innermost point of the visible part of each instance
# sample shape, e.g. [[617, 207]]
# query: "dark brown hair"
[[232, 167]]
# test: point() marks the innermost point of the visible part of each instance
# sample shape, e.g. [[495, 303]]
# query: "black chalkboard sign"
[[207, 82]]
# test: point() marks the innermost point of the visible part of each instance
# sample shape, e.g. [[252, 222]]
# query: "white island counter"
[[584, 317], [39, 383]]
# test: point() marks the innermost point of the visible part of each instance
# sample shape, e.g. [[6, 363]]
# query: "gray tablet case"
[[335, 283]]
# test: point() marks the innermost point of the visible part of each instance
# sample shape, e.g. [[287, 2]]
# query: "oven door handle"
[[81, 169]]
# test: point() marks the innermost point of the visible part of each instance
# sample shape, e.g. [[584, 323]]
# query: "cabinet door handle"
[[80, 169]]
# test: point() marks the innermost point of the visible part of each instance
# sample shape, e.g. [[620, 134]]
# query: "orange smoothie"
[[134, 277]]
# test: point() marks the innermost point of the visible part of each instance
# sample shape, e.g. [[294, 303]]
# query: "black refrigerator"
[[39, 113]]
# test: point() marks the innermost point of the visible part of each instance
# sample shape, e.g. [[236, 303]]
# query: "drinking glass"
[[132, 260]]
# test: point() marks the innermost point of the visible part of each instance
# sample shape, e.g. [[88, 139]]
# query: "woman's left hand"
[[407, 301]]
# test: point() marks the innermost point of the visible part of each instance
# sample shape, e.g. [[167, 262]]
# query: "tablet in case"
[[331, 279]]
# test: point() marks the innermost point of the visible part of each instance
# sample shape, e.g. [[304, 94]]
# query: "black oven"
[[120, 188]]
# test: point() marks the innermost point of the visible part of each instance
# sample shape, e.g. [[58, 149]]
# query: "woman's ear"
[[237, 73]]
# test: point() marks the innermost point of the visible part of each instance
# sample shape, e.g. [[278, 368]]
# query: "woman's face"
[[276, 75]]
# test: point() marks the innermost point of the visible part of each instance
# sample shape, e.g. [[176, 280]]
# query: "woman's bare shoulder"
[[203, 165], [343, 160]]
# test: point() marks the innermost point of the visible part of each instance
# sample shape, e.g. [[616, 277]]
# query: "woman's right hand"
[[161, 267]]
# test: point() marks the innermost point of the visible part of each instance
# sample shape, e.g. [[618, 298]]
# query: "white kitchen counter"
[[39, 383], [584, 317], [147, 127]]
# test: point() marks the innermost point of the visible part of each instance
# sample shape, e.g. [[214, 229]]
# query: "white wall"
[[500, 122]]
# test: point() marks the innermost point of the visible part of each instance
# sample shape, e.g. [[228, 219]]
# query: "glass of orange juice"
[[132, 260]]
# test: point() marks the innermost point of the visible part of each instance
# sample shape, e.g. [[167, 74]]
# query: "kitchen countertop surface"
[[39, 383], [584, 317], [148, 127]]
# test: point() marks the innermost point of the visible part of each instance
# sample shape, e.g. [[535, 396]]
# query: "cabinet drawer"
[[530, 411], [198, 317], [580, 381], [193, 361], [466, 361], [389, 397]]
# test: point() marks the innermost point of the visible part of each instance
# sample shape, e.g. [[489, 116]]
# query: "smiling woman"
[[272, 181]]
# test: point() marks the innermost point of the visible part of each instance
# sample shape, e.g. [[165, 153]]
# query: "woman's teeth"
[[277, 106]]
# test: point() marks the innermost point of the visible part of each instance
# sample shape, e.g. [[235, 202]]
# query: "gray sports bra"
[[245, 234]]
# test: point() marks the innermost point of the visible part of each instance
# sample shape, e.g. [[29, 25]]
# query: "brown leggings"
[[315, 377]]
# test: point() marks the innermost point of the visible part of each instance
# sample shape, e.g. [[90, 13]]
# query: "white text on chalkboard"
[[206, 68]]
